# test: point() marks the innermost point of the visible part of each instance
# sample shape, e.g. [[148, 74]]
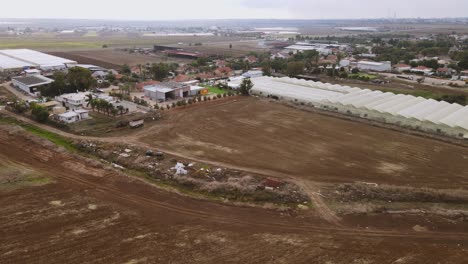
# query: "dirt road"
[[90, 214]]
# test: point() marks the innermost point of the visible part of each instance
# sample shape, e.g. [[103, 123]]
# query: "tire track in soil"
[[307, 228]]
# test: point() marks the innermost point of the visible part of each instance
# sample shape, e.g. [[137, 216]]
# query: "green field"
[[54, 138], [214, 90]]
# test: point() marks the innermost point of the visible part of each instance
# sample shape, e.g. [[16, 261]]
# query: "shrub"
[[40, 113]]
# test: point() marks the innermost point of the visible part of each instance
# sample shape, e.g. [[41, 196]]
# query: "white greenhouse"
[[405, 110]]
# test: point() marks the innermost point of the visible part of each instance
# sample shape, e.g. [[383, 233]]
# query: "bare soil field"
[[279, 140], [221, 48], [110, 58], [88, 213]]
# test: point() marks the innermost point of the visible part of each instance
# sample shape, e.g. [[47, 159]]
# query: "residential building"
[[421, 69], [73, 100], [444, 71], [401, 67], [73, 116]]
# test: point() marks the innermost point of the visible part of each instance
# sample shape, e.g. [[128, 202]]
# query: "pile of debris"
[[222, 182]]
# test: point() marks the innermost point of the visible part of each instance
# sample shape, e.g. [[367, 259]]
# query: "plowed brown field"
[[280, 140], [89, 213]]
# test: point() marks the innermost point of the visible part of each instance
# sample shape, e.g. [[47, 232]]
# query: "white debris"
[[125, 155], [219, 169], [117, 166], [128, 150], [191, 164], [180, 169]]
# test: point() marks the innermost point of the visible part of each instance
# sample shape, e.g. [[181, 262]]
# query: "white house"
[[422, 69], [401, 67], [73, 116], [73, 100], [375, 66]]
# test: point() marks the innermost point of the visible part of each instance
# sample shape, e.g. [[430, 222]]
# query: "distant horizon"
[[228, 19], [183, 10]]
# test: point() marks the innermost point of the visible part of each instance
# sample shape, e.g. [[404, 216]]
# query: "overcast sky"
[[219, 9]]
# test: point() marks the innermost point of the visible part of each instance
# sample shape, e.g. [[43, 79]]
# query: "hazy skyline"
[[217, 9]]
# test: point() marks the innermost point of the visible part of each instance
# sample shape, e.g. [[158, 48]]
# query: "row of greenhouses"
[[405, 110]]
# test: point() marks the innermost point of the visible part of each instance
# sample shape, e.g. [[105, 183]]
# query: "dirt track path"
[[310, 188], [70, 170]]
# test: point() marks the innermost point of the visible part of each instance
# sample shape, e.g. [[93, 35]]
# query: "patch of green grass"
[[363, 75], [52, 137], [13, 176], [214, 90]]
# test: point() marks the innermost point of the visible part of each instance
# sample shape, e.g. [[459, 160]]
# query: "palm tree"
[[120, 109], [89, 100]]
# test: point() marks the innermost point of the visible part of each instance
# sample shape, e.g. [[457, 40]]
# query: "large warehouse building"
[[19, 59], [404, 110]]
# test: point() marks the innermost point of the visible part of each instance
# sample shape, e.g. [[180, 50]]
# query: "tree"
[[159, 71], [245, 86], [230, 46], [58, 87], [121, 109], [110, 77], [39, 112], [126, 69], [20, 106], [266, 68], [90, 101], [295, 68], [80, 79]]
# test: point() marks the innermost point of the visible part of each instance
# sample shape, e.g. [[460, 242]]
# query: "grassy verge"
[[42, 133]]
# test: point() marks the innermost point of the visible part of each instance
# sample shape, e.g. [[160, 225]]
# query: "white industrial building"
[[404, 110], [31, 83], [374, 66], [19, 59]]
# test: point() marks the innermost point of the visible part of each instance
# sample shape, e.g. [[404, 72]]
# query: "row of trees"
[[104, 106]]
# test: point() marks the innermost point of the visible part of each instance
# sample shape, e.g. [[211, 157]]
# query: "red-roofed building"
[[227, 71], [182, 78], [251, 59], [444, 71], [220, 63], [139, 86]]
